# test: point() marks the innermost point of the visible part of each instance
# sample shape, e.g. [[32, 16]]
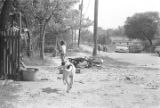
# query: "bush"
[[49, 49], [149, 49]]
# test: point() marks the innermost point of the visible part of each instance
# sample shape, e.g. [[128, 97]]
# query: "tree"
[[47, 13], [42, 11], [103, 36], [7, 8], [119, 31], [87, 36], [142, 26]]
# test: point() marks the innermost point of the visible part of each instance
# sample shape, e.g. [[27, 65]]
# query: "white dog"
[[68, 74]]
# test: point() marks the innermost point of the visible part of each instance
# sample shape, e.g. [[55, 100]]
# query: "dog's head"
[[67, 65]]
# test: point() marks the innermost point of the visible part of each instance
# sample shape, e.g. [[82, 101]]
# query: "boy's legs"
[[62, 59]]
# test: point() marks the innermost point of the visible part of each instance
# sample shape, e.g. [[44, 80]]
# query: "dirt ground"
[[116, 85]]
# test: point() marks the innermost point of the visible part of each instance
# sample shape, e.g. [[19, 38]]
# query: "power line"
[[81, 9], [87, 7]]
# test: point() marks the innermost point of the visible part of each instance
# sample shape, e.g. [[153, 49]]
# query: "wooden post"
[[0, 57], [6, 59], [19, 36]]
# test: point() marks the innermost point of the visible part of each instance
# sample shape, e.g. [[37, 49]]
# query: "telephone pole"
[[95, 27], [80, 23]]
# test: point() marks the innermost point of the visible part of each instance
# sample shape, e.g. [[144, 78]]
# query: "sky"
[[113, 13]]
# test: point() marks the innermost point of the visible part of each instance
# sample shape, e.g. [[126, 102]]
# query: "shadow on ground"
[[50, 90], [110, 61], [8, 94]]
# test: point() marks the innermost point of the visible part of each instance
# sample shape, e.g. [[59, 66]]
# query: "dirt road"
[[114, 86], [137, 59]]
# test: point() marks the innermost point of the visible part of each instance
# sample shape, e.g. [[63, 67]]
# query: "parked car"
[[122, 49], [135, 48], [157, 50]]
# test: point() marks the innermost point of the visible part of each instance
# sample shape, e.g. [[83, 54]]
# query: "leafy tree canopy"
[[142, 26]]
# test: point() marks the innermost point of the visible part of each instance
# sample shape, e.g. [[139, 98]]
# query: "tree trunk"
[[4, 17], [42, 46], [43, 24], [150, 47], [75, 37], [29, 33], [56, 48], [150, 41], [42, 40], [72, 37], [29, 44]]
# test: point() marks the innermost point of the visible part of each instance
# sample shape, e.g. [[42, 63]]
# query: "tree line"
[[59, 19]]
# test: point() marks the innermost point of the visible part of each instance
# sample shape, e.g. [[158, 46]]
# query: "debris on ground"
[[86, 62], [152, 85], [134, 79]]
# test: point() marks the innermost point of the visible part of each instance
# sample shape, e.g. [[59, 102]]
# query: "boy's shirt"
[[63, 49]]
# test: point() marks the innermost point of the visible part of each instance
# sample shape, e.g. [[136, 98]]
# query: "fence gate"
[[9, 55]]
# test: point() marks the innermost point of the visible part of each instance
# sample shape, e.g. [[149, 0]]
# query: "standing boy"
[[62, 52]]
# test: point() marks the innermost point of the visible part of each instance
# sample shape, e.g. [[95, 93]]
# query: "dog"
[[68, 71]]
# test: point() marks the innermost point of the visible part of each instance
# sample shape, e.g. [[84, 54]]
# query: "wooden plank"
[[18, 50], [0, 55], [6, 59], [8, 56], [13, 57], [3, 44]]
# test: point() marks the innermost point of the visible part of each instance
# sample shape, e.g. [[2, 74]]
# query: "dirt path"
[[94, 88], [108, 87]]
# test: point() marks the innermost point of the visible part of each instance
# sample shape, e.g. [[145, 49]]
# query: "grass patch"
[[36, 61]]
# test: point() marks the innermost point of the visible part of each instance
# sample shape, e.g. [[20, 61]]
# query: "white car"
[[122, 49]]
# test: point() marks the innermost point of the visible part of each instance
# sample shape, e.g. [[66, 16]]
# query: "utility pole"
[[80, 23], [95, 27]]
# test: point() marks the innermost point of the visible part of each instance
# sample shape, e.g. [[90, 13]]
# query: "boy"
[[62, 51]]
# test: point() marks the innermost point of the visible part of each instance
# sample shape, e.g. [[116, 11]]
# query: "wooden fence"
[[9, 55]]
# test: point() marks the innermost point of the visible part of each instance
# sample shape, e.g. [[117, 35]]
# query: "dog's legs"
[[68, 85], [64, 82], [71, 81]]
